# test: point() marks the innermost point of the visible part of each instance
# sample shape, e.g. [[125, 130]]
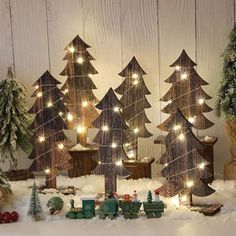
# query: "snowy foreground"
[[175, 221]]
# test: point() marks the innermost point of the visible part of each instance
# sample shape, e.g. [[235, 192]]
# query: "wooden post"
[[51, 179]]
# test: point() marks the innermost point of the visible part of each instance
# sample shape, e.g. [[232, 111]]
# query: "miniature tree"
[[78, 88], [134, 90], [5, 189], [14, 119], [185, 169], [35, 208], [226, 101], [186, 94], [49, 152], [111, 137], [149, 197]]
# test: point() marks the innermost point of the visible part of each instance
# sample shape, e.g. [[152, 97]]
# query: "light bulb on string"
[[189, 184], [169, 102], [49, 104], [135, 76], [80, 129], [176, 127], [177, 68], [99, 162], [70, 117], [135, 82], [201, 101], [71, 49], [84, 104], [66, 91], [39, 94], [36, 86], [47, 171], [183, 76], [41, 139], [105, 128], [80, 60], [136, 130], [119, 163], [202, 166], [166, 164], [181, 137], [116, 109], [127, 144], [113, 145], [61, 146], [60, 113], [89, 75], [191, 119]]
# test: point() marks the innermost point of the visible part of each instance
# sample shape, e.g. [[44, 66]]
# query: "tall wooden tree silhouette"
[[111, 137], [186, 94], [134, 90], [78, 88], [184, 166], [49, 152]]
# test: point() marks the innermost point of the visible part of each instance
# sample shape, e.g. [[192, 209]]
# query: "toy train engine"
[[86, 212]]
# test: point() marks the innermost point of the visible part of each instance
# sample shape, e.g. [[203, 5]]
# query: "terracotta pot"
[[230, 168]]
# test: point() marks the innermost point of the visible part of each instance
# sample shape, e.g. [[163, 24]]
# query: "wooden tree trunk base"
[[230, 170], [51, 180]]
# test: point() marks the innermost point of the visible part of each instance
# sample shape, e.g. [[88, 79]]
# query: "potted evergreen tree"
[[226, 101]]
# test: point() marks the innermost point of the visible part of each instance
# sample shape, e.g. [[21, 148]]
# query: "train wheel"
[[112, 217], [88, 215], [102, 216], [80, 215]]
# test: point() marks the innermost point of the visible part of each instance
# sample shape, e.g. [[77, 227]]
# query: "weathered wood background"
[[34, 33]]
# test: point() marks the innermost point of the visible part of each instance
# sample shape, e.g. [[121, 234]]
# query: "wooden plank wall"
[[35, 32]]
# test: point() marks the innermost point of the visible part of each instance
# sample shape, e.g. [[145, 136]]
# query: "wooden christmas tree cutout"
[[49, 151], [134, 90], [111, 137], [187, 94], [185, 169], [78, 88]]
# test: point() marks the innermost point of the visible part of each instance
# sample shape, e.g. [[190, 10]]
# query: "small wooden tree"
[[49, 152], [78, 88], [184, 166], [134, 90], [186, 93], [111, 137]]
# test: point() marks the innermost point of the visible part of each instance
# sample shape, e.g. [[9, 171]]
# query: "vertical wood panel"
[[214, 22], [5, 39], [140, 39], [30, 42]]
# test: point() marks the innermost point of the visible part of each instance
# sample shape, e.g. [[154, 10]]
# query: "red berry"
[[14, 216], [6, 217]]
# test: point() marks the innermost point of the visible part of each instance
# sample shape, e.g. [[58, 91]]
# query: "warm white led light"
[[61, 146], [66, 91], [80, 129], [113, 145], [202, 166], [39, 94], [190, 184], [89, 75], [181, 137], [201, 101], [135, 82], [70, 117], [41, 139], [191, 119], [84, 104], [60, 113], [80, 60], [99, 162], [36, 86], [105, 128], [119, 163], [116, 109], [177, 68], [176, 127], [134, 75], [184, 75], [169, 102], [166, 164], [47, 171], [136, 130], [71, 49], [127, 144], [49, 104]]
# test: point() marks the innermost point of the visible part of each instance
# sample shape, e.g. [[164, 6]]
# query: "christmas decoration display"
[[49, 153], [134, 90], [5, 189], [55, 205], [108, 208], [184, 166], [35, 208], [86, 212], [153, 209], [186, 93], [226, 101], [78, 88], [7, 217], [111, 137], [130, 209], [14, 119]]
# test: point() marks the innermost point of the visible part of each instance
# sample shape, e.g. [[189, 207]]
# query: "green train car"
[[153, 209], [86, 212], [130, 210], [108, 208]]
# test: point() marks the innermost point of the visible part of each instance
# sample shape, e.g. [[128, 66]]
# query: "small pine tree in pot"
[[14, 119], [226, 101]]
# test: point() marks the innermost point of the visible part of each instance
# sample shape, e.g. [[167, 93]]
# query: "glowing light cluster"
[[61, 146], [189, 184], [80, 60], [105, 128], [183, 76], [71, 49], [80, 129], [70, 117], [41, 139], [84, 104], [181, 137], [47, 171]]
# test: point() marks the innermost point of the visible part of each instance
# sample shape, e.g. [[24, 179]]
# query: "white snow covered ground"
[[179, 221]]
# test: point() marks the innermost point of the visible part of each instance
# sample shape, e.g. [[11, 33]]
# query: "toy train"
[[109, 208]]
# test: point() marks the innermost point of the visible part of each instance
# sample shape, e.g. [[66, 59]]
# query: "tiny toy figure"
[[135, 196], [157, 195]]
